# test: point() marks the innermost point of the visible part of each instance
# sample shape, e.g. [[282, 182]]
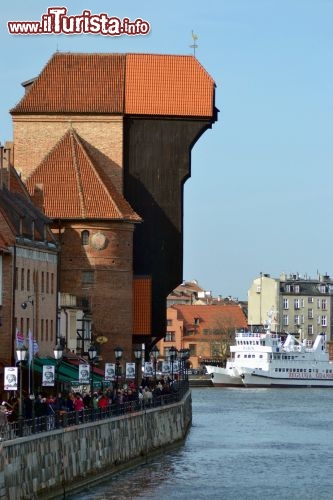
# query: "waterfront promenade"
[[38, 461]]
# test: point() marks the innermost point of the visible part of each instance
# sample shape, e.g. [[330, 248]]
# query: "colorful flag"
[[33, 347], [19, 338]]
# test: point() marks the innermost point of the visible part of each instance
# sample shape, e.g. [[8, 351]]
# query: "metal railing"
[[58, 420]]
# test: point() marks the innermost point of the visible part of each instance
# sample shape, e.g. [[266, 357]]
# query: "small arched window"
[[85, 237]]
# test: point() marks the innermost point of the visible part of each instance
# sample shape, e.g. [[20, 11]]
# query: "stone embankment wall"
[[51, 464]]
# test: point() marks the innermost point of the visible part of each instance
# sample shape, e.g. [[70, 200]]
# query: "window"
[[296, 288], [42, 282], [285, 304], [324, 304], [16, 279], [323, 288], [46, 329], [310, 300], [87, 277], [41, 329], [288, 288], [296, 303], [285, 320], [47, 282], [169, 337], [169, 322], [28, 280], [310, 313], [310, 329], [22, 279], [193, 349], [297, 320], [52, 283], [324, 321], [85, 237], [51, 330], [196, 321]]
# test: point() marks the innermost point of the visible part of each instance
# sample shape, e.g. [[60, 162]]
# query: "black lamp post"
[[21, 353], [182, 362], [92, 355], [58, 352], [172, 356], [118, 352], [155, 353], [186, 355], [138, 357]]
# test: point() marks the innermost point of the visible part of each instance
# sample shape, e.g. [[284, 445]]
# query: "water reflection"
[[244, 444]]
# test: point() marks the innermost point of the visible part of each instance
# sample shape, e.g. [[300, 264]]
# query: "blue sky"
[[259, 199]]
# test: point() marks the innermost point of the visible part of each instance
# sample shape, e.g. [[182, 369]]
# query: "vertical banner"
[[130, 370], [84, 373], [149, 369], [110, 371], [166, 368], [176, 366], [10, 381], [48, 376]]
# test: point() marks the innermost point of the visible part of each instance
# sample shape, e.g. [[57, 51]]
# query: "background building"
[[297, 304]]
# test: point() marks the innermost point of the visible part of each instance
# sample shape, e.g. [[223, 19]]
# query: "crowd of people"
[[46, 404]]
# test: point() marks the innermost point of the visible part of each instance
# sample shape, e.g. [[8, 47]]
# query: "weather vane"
[[194, 45]]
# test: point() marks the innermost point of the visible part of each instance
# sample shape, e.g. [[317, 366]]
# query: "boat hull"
[[254, 380], [223, 377]]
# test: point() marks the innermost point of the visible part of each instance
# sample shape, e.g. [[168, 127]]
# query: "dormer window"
[[197, 321]]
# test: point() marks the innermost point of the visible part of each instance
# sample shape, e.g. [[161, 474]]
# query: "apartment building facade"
[[294, 304]]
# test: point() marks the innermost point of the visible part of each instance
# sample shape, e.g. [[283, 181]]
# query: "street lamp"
[[21, 353], [92, 355], [185, 354], [138, 357], [155, 353], [118, 352], [58, 353], [172, 356]]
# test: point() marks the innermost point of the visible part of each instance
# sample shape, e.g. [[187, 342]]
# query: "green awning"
[[66, 372]]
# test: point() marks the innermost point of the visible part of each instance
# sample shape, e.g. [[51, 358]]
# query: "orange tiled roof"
[[77, 83], [142, 306], [211, 317], [134, 84], [72, 187]]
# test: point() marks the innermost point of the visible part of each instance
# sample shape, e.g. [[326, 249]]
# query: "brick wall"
[[110, 292], [35, 136]]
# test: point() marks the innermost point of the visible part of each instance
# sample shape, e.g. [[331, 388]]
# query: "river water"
[[244, 444]]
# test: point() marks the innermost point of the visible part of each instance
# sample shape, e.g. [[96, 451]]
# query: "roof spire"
[[194, 45]]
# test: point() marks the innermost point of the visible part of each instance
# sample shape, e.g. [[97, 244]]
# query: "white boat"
[[224, 377], [265, 359]]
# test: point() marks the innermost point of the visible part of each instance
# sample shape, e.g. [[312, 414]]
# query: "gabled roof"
[[68, 185], [133, 84], [24, 219], [212, 317]]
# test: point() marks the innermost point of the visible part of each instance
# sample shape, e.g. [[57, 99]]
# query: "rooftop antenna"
[[194, 45]]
